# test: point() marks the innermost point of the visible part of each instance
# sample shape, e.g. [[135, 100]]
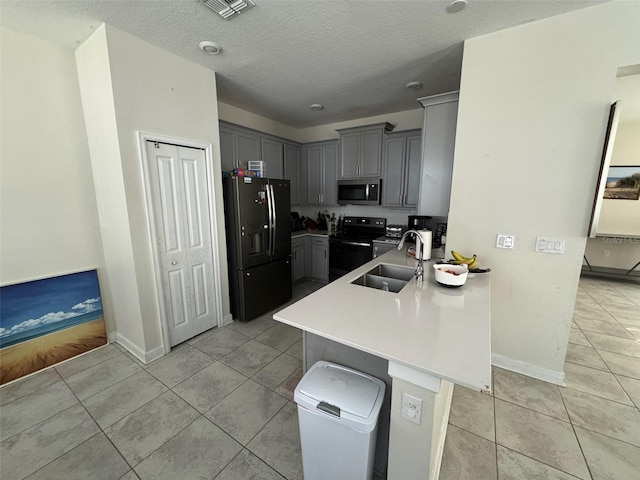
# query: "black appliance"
[[354, 245], [419, 222], [258, 228], [362, 191]]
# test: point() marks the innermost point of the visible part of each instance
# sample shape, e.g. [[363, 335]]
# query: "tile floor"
[[216, 408], [590, 429]]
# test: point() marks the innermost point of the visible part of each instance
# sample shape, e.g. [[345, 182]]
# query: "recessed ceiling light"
[[456, 6], [209, 47], [316, 106], [415, 85]]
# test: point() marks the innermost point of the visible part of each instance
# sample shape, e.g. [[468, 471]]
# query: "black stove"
[[354, 245]]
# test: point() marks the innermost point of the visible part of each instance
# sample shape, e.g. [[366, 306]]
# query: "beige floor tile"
[[25, 386], [210, 385], [246, 411], [577, 337], [529, 392], [95, 459], [247, 465], [179, 365], [586, 356], [199, 451], [625, 346], [594, 382], [609, 459], [143, 431], [610, 327], [467, 456], [632, 387], [607, 417], [543, 438], [515, 466], [621, 364], [473, 411], [282, 430]]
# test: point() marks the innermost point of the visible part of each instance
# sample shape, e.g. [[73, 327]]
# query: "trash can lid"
[[351, 391]]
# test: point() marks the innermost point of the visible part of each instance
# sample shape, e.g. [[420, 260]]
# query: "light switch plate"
[[505, 241], [550, 245]]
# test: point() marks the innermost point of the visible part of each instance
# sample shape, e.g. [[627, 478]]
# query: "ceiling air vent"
[[228, 8]]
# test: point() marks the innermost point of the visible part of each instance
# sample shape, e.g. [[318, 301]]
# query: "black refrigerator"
[[258, 225]]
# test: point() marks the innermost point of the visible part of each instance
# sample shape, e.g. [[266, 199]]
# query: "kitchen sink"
[[393, 271], [386, 277]]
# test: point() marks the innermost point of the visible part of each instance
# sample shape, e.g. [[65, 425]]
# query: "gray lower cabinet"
[[403, 159], [320, 160], [438, 142], [320, 259], [298, 258]]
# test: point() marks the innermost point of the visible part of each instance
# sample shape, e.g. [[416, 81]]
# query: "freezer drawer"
[[262, 289]]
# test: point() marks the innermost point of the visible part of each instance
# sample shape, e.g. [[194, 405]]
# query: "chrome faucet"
[[419, 273]]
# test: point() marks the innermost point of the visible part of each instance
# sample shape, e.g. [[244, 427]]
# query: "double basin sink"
[[389, 278]]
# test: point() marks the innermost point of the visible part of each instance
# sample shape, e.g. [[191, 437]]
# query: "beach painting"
[[623, 183], [44, 322]]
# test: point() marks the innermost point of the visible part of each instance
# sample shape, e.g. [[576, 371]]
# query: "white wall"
[[47, 200], [129, 85], [534, 102]]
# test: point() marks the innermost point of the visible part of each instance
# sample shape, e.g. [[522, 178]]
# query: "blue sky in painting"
[[29, 305], [617, 171]]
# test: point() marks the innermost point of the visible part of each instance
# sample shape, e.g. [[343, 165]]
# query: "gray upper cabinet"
[[361, 150], [240, 145], [319, 163], [292, 171], [272, 155], [402, 161], [438, 142]]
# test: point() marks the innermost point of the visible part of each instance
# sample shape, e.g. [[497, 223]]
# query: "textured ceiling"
[[353, 56]]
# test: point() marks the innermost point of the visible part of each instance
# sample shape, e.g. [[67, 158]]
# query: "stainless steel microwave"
[[361, 191]]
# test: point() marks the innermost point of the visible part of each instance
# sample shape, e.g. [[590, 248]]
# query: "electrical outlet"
[[505, 241], [411, 408]]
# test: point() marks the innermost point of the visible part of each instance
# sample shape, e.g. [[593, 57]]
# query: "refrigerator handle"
[[272, 219]]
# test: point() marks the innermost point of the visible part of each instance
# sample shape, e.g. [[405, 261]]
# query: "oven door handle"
[[355, 244]]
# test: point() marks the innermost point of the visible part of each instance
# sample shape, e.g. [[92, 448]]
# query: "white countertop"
[[445, 332]]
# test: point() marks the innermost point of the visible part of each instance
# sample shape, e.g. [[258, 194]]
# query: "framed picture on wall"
[[44, 322], [623, 183]]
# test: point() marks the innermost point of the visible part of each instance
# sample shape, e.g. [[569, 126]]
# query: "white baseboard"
[[437, 459], [517, 366], [142, 355]]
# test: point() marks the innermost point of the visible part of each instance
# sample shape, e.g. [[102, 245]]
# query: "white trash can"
[[338, 412]]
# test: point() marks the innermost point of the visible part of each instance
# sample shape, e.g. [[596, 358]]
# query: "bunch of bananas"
[[472, 262]]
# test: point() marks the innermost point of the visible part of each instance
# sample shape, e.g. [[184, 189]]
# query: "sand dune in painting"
[[33, 355]]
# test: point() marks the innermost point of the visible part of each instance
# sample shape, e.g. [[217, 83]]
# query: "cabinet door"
[[292, 171], [314, 175], [413, 161], [297, 265], [394, 175], [227, 148], [272, 153], [247, 148], [371, 154], [320, 260], [350, 155], [439, 135], [330, 166]]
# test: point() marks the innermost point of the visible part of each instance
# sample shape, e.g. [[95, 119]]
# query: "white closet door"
[[178, 186]]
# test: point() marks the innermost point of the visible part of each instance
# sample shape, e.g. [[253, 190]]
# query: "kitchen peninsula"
[[432, 337]]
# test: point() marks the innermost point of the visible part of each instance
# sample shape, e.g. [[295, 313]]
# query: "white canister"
[[426, 240]]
